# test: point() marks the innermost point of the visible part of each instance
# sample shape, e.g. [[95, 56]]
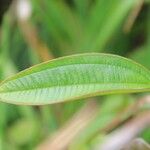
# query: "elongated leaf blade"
[[74, 77]]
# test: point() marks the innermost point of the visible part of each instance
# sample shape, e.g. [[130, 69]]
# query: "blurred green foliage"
[[67, 27]]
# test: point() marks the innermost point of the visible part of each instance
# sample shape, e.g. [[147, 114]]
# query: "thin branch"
[[132, 109], [133, 15], [22, 9], [121, 137], [31, 37], [65, 135], [137, 144]]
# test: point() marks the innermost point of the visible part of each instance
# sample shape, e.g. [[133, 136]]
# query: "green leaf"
[[74, 77], [104, 19], [142, 55]]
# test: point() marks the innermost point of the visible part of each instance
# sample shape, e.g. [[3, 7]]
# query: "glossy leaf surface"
[[74, 77]]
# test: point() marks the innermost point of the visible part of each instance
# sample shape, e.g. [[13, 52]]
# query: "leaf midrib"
[[46, 87]]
